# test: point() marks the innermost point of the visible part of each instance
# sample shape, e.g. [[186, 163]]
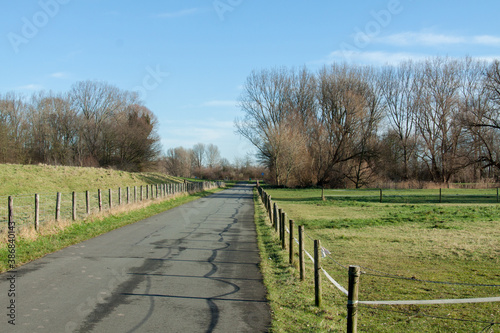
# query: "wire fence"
[[39, 209], [417, 196], [349, 275]]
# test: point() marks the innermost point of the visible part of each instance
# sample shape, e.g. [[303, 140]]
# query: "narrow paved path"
[[190, 269]]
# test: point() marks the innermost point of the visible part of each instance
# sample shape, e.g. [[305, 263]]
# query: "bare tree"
[[400, 90], [13, 128], [213, 155], [135, 139], [198, 156], [178, 162], [482, 111], [96, 103], [349, 115], [439, 118], [54, 129], [266, 102]]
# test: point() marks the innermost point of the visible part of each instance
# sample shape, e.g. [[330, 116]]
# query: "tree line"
[[94, 124], [204, 161], [347, 125]]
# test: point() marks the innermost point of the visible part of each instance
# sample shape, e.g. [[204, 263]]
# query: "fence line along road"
[[37, 209]]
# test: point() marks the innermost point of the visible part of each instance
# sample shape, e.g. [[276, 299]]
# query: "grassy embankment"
[[29, 179], [410, 234], [30, 245]]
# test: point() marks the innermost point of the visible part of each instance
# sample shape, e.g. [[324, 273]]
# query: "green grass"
[[417, 238], [291, 301], [28, 249], [29, 179]]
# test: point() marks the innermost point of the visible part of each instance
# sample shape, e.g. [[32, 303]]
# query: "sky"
[[189, 60]]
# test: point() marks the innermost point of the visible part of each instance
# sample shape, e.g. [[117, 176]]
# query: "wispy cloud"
[[179, 13], [371, 58], [434, 39], [220, 103], [487, 40], [378, 58], [59, 75]]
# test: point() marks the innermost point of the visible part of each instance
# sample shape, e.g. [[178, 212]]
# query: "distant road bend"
[[190, 269]]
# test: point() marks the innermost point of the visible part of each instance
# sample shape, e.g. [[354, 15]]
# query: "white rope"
[[324, 252], [335, 283], [342, 289], [310, 256], [434, 301]]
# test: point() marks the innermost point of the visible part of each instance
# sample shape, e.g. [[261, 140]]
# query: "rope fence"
[[277, 217]]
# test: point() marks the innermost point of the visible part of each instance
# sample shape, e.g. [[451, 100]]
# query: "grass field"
[[411, 235]]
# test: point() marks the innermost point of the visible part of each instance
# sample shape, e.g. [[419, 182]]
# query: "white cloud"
[[378, 58], [220, 103], [419, 38], [371, 58], [487, 40], [435, 39], [59, 75], [180, 13]]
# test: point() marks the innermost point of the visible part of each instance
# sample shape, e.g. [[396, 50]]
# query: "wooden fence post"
[[290, 243], [37, 212], [11, 213], [270, 209], [275, 216], [352, 299], [283, 230], [440, 198], [497, 195], [135, 194], [73, 205], [317, 273], [301, 253], [140, 197], [381, 195], [99, 199], [119, 196], [278, 224], [110, 198], [87, 202], [58, 206], [128, 195]]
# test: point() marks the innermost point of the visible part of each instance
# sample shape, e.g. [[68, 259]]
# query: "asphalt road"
[[190, 269]]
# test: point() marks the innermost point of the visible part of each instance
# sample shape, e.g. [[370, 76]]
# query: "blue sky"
[[190, 59]]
